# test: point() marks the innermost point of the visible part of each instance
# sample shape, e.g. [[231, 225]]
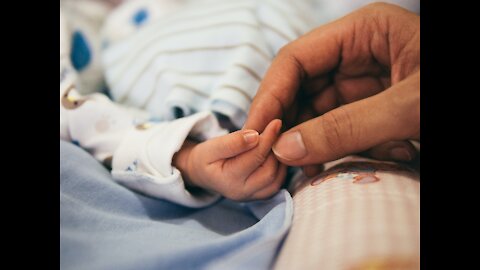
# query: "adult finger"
[[391, 115]]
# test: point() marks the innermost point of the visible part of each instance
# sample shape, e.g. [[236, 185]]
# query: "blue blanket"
[[104, 225]]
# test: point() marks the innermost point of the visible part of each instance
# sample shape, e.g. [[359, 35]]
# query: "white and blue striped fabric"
[[176, 58]]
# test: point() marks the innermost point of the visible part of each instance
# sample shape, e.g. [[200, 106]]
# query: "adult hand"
[[356, 84]]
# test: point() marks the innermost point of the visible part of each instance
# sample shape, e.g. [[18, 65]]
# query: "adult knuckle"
[[338, 131]]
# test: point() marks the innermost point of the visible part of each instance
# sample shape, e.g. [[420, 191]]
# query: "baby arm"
[[240, 165]]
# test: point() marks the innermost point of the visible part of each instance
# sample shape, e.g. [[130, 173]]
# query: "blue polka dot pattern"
[[80, 54], [140, 17]]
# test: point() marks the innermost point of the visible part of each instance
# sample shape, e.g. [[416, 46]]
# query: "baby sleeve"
[[143, 160], [140, 152]]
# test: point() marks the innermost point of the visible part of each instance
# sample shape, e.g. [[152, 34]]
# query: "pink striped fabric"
[[358, 214]]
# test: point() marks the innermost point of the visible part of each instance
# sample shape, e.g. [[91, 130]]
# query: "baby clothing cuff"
[[143, 161]]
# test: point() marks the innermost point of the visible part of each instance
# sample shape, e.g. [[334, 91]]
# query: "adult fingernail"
[[400, 153], [250, 136], [290, 146]]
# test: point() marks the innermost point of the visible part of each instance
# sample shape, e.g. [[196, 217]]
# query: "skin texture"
[[351, 86], [232, 166]]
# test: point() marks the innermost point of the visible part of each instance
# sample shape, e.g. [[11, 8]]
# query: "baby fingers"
[[229, 145], [273, 187], [243, 165], [262, 183]]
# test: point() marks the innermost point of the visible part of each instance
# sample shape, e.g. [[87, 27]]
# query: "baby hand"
[[239, 165]]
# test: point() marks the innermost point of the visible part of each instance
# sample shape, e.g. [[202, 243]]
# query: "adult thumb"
[[393, 114]]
